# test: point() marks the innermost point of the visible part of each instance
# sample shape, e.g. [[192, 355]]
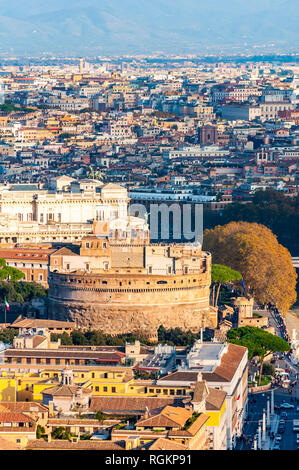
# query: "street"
[[257, 402]]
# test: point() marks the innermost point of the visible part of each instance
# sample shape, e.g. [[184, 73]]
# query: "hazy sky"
[[112, 26]]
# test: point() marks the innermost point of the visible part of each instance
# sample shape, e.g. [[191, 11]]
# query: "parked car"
[[286, 406]]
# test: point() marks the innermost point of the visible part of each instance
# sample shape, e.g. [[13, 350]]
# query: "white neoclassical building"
[[64, 212]]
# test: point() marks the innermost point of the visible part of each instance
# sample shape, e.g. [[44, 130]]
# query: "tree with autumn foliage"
[[253, 250], [222, 275]]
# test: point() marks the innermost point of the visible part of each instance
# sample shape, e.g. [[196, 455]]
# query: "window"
[[113, 390], [105, 389]]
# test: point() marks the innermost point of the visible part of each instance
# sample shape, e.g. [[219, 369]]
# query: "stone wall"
[[127, 303]]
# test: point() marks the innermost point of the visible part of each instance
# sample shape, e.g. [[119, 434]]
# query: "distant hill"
[[143, 26]]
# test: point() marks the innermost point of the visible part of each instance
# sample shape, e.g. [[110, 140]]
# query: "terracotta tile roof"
[[98, 356], [40, 323], [181, 376], [215, 399], [223, 373], [65, 391], [26, 254], [166, 444], [133, 405], [14, 417], [198, 423], [80, 445], [65, 252], [3, 408], [70, 422], [193, 429], [37, 340], [24, 406], [201, 391], [170, 416], [229, 363]]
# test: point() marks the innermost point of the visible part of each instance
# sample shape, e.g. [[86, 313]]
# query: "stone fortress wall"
[[127, 298]]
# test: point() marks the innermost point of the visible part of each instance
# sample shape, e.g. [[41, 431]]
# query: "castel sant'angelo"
[[122, 283]]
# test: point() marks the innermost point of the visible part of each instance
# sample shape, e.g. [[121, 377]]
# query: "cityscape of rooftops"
[[149, 228]]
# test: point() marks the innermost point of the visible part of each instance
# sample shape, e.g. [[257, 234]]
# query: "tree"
[[7, 272], [78, 338], [100, 416], [254, 251], [15, 291], [268, 369], [221, 275], [7, 335], [259, 343], [62, 433], [64, 337], [270, 208], [40, 431]]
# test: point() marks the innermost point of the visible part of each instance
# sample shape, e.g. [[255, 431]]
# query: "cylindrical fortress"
[[123, 303]]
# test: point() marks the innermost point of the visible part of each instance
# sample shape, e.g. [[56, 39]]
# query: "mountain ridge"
[[131, 26]]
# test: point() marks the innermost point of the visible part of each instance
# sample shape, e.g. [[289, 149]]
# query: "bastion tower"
[[125, 285]]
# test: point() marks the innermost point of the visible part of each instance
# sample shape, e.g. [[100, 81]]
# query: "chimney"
[[146, 413]]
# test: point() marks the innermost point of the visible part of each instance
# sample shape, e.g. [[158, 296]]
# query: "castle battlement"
[[126, 288]]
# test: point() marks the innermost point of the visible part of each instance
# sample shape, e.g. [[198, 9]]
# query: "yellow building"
[[8, 388]]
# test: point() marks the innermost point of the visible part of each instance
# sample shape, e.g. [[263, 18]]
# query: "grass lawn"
[[265, 380]]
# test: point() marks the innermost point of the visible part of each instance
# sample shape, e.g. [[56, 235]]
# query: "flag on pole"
[[6, 304], [243, 285]]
